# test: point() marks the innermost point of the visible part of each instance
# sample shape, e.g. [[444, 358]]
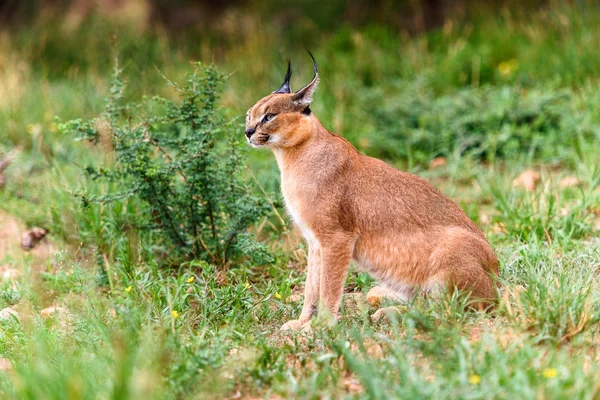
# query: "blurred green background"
[[504, 82], [403, 80]]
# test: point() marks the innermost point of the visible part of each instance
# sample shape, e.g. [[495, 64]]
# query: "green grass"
[[202, 331]]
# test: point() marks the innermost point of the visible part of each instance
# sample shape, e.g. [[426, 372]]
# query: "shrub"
[[412, 122], [182, 161]]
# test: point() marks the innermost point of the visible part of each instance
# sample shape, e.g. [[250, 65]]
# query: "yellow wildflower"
[[34, 129], [174, 314], [277, 295], [128, 289], [506, 68], [190, 279], [549, 373], [248, 286], [474, 379]]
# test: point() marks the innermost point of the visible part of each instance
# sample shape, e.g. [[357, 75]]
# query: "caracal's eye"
[[268, 117]]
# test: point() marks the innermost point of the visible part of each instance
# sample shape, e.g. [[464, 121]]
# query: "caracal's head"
[[283, 118]]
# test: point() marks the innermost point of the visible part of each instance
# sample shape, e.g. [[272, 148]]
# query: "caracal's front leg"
[[336, 254], [311, 288]]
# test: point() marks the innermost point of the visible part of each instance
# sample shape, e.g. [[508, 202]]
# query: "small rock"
[[438, 162], [569, 181], [8, 312], [382, 313], [53, 311], [485, 219], [352, 385], [528, 180], [32, 237], [10, 274], [5, 364]]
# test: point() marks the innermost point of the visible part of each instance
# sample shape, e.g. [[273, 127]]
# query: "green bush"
[[487, 123], [182, 161]]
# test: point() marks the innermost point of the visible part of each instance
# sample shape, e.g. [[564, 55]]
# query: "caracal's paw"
[[385, 314], [293, 325], [296, 325]]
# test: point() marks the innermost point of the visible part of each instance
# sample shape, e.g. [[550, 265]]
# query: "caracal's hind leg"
[[469, 265], [474, 280]]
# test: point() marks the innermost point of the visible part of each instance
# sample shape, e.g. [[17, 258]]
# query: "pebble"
[[528, 180], [438, 162], [32, 237], [8, 312], [52, 311], [5, 364], [569, 181], [10, 274]]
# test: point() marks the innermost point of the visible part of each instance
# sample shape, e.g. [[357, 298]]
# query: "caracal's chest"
[[297, 194]]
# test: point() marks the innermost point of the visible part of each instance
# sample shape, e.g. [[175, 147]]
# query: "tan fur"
[[348, 206]]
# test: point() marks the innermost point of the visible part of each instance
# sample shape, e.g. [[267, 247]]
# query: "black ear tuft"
[[304, 95], [315, 68], [285, 87]]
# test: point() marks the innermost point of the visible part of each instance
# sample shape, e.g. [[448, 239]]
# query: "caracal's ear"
[[303, 97], [285, 86]]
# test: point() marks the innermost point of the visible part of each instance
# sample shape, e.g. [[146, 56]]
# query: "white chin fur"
[[271, 140]]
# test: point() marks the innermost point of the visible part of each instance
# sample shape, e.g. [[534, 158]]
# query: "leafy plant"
[[487, 123], [183, 161]]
